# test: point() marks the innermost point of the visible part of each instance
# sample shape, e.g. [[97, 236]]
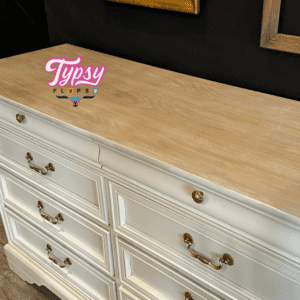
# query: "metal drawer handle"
[[197, 196], [66, 261], [37, 169], [188, 296], [20, 118], [226, 259], [47, 217]]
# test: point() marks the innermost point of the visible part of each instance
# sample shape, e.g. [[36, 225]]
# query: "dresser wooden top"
[[243, 140]]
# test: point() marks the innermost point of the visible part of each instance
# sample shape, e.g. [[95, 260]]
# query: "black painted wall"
[[221, 43], [23, 27]]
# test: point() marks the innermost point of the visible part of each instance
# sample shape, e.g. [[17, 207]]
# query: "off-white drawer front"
[[234, 211], [256, 273], [78, 181], [62, 135], [82, 236], [130, 295], [85, 278], [154, 279]]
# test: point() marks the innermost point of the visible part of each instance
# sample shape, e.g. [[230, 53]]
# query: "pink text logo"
[[76, 75]]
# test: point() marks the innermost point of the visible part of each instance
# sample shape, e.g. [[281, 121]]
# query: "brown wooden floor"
[[12, 287]]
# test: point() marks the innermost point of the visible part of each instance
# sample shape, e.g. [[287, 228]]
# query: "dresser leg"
[[27, 268], [21, 273]]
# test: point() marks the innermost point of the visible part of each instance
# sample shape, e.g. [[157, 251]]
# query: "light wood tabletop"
[[240, 139]]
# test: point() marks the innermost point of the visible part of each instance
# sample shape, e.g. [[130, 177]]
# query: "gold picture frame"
[[270, 38], [186, 6]]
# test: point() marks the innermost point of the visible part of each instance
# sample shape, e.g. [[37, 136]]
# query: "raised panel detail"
[[93, 283], [160, 230], [78, 233], [82, 183], [154, 279]]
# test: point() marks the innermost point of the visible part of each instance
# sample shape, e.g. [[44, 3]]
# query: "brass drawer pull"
[[197, 196], [20, 118], [66, 261], [188, 296], [37, 169], [226, 259], [57, 217]]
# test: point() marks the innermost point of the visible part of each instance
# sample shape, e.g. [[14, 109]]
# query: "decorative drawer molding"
[[48, 130], [84, 278], [158, 229], [75, 232], [235, 212], [154, 279], [124, 294], [139, 168], [78, 182], [32, 271]]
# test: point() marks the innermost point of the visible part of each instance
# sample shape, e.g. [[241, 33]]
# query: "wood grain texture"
[[12, 287], [284, 42], [270, 20], [240, 139], [270, 38]]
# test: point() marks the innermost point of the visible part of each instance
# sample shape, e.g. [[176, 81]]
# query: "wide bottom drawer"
[[226, 263], [154, 279], [69, 266], [31, 271]]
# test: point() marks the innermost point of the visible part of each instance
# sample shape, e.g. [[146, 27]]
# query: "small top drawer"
[[44, 127], [80, 183], [202, 249]]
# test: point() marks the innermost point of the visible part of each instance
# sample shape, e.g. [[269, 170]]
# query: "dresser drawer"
[[74, 179], [125, 294], [255, 272], [51, 254], [231, 210], [82, 236], [45, 128], [154, 279]]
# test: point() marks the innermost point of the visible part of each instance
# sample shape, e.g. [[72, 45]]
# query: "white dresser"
[[163, 186]]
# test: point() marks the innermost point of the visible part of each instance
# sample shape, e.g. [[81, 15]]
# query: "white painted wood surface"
[[158, 229], [124, 294], [31, 271], [47, 131], [80, 235], [84, 278], [148, 203], [59, 194], [235, 212], [154, 279], [81, 182]]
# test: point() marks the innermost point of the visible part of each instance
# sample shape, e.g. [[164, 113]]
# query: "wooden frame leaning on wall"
[[270, 38]]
